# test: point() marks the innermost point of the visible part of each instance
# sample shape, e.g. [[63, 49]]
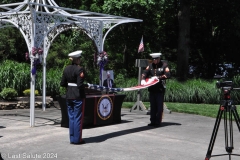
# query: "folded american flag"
[[102, 88], [149, 82]]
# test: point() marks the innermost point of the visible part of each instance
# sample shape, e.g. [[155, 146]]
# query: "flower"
[[36, 54], [27, 55], [37, 51], [36, 57]]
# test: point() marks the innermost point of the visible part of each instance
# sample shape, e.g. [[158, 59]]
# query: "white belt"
[[72, 84]]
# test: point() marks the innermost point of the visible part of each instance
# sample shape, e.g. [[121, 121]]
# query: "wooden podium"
[[99, 110]]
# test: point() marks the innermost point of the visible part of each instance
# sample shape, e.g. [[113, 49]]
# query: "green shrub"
[[120, 79], [8, 93], [14, 75], [28, 91], [62, 91]]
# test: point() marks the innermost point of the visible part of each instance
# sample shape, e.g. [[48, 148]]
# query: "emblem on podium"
[[104, 107]]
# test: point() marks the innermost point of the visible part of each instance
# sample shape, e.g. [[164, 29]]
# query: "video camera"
[[227, 84], [223, 84]]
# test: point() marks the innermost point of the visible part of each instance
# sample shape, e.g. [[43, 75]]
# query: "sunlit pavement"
[[181, 136]]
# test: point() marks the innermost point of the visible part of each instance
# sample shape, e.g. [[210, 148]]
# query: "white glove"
[[143, 82], [155, 77]]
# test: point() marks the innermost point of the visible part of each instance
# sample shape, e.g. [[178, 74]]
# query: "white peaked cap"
[[75, 54], [155, 55]]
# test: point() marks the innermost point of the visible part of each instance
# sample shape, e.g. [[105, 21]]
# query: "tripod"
[[227, 108]]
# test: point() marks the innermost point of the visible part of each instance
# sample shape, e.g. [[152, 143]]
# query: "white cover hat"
[[75, 54], [155, 55]]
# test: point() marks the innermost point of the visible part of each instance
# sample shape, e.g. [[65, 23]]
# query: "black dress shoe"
[[151, 124], [82, 142]]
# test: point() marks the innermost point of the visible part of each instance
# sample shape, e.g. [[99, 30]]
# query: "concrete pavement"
[[182, 136]]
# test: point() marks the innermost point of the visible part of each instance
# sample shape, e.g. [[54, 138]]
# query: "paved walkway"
[[182, 137]]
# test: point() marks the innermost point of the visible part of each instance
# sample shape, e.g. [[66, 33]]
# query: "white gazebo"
[[41, 21]]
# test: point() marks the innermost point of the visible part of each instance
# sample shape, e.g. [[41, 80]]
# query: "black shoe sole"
[[82, 142]]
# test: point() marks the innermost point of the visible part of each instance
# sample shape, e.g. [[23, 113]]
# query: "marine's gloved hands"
[[154, 77], [143, 82], [163, 77], [86, 85]]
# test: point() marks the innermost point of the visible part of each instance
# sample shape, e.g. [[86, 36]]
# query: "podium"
[[103, 109], [99, 109]]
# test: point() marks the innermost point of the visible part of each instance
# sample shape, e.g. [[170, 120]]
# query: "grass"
[[208, 110]]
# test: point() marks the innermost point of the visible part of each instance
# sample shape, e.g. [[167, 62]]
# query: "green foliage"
[[214, 39], [74, 40], [62, 91], [119, 79], [8, 93], [191, 91], [214, 36], [14, 75], [12, 44], [27, 92], [116, 7], [8, 1], [52, 81], [209, 110]]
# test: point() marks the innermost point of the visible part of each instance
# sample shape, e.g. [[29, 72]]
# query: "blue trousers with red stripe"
[[156, 104], [75, 114]]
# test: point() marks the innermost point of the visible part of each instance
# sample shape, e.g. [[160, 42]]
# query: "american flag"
[[141, 46]]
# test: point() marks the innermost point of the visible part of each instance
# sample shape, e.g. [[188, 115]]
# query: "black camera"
[[227, 84]]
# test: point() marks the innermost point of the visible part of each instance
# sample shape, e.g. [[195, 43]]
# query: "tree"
[[166, 28], [183, 39]]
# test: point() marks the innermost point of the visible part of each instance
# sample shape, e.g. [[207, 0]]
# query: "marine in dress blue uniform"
[[161, 71], [73, 80]]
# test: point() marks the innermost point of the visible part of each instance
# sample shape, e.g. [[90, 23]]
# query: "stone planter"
[[24, 103]]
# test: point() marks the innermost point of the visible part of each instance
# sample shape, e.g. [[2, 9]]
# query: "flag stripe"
[[141, 46]]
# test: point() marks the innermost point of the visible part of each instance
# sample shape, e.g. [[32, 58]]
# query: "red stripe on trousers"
[[81, 124]]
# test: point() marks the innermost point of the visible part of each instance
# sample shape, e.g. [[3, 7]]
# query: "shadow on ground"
[[104, 137], [48, 121]]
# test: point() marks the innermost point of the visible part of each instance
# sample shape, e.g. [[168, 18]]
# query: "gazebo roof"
[[47, 15], [50, 7]]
